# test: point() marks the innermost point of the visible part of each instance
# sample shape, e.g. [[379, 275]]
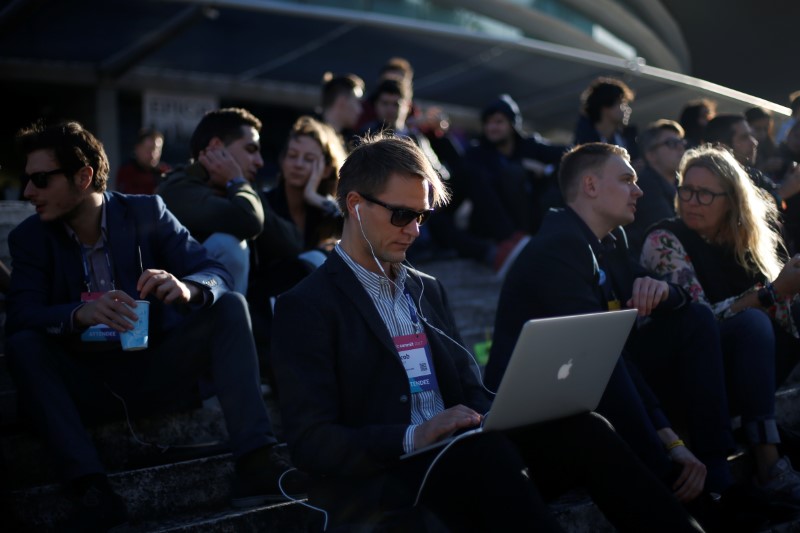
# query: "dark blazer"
[[344, 393], [47, 278]]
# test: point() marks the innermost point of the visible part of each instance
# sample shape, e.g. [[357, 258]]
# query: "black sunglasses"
[[401, 216], [41, 179]]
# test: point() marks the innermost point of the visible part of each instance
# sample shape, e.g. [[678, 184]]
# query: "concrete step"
[[282, 517], [150, 493], [157, 440]]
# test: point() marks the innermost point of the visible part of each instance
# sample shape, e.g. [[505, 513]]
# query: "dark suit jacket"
[[344, 393], [47, 277], [558, 274]]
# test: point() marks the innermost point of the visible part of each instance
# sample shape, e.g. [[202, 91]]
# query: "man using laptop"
[[369, 365], [578, 263]]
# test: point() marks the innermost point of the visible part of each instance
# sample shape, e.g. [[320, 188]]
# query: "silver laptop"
[[560, 367]]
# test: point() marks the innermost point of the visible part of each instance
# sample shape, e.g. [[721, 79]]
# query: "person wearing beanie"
[[510, 180]]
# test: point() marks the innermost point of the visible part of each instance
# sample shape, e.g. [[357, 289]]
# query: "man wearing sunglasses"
[[662, 145], [370, 366], [79, 265]]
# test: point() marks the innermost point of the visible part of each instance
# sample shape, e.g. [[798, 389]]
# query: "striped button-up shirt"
[[394, 309]]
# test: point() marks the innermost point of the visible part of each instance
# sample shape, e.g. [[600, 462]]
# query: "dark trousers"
[[680, 355], [59, 387], [501, 481], [623, 406], [748, 343]]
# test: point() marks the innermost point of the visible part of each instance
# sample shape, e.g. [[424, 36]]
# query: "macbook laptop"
[[560, 367]]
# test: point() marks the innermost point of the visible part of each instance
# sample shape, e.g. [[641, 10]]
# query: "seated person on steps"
[[213, 195], [80, 263], [350, 409]]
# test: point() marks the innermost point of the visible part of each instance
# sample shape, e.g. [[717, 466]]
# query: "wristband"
[[674, 444], [236, 181], [766, 296]]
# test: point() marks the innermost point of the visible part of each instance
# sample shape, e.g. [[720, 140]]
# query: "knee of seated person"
[[312, 259], [224, 241], [753, 322], [595, 421], [700, 316], [225, 245], [231, 302], [231, 307]]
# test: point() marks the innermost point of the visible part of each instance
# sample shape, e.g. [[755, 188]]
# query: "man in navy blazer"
[[78, 267], [370, 366]]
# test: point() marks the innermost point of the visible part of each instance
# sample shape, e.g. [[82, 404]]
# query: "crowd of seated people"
[[299, 280]]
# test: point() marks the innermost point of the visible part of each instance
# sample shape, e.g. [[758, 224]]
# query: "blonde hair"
[[752, 221]]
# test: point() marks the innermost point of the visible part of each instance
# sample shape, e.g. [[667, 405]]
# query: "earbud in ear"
[[357, 213]]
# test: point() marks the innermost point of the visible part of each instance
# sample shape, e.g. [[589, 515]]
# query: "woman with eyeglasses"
[[725, 249]]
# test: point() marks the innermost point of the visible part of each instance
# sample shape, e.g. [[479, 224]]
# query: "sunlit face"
[[707, 220], [498, 128], [61, 199], [390, 243], [392, 109], [743, 143], [302, 154], [246, 151], [617, 192], [148, 151]]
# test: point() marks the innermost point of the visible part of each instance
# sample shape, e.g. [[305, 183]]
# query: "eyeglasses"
[[40, 180], [401, 216], [671, 143], [704, 196]]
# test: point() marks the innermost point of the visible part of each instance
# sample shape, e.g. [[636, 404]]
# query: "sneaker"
[[97, 509], [258, 482], [507, 252], [784, 488]]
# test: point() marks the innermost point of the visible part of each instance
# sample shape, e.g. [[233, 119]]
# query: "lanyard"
[[87, 277], [412, 310]]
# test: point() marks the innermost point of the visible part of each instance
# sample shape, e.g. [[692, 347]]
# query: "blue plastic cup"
[[136, 339]]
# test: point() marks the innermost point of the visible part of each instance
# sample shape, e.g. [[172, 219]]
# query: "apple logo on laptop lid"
[[563, 372]]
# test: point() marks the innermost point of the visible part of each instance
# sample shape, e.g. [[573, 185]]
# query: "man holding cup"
[[86, 267]]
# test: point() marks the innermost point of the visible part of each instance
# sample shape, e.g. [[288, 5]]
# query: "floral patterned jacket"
[[663, 254]]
